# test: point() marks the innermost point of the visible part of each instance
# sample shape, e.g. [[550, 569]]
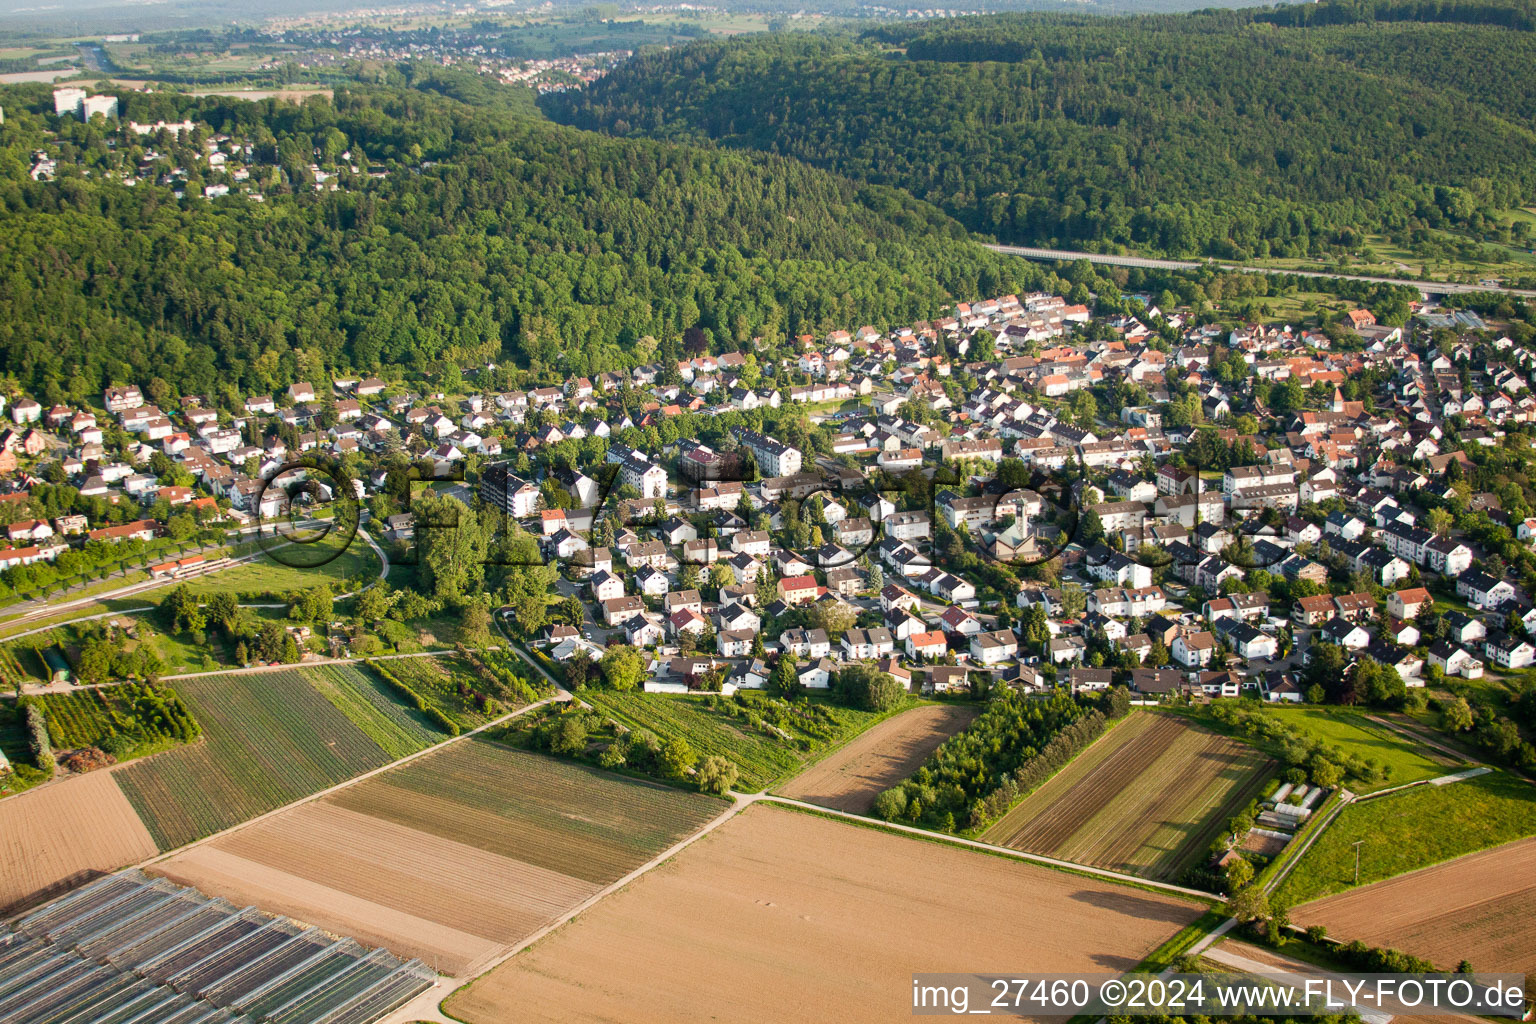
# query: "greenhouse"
[[131, 949]]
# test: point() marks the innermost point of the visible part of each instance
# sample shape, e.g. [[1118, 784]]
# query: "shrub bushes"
[[1014, 745], [1322, 762], [38, 744], [432, 713]]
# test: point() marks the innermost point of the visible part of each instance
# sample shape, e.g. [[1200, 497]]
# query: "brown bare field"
[[1147, 798], [566, 817], [802, 918], [61, 834], [451, 858], [1478, 908], [450, 904], [850, 779]]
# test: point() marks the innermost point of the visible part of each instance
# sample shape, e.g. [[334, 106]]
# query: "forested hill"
[[1231, 133], [493, 237]]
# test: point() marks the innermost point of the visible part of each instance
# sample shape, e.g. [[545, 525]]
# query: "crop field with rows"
[[1147, 798], [127, 720], [447, 682], [450, 858], [270, 738], [76, 719], [547, 812], [397, 729]]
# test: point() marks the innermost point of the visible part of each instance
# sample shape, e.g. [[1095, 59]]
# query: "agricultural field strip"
[[1154, 753], [72, 826], [385, 722], [1044, 819], [809, 934], [740, 804], [275, 890], [441, 900], [459, 856], [74, 718], [1128, 822], [1218, 811], [1117, 780], [467, 734], [1477, 906], [851, 776], [570, 818], [977, 844], [441, 879], [269, 741], [1117, 826], [743, 801]]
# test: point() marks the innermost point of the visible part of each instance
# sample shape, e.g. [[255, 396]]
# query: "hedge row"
[[416, 700], [1061, 748], [38, 743], [503, 681]]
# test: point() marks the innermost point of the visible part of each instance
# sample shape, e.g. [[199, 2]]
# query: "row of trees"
[[951, 788]]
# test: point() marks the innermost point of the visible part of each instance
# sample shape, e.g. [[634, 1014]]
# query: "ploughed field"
[[851, 778], [794, 915], [1479, 908], [63, 834], [268, 739], [1147, 798], [451, 858]]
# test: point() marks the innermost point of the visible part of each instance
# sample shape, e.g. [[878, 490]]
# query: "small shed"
[[55, 663]]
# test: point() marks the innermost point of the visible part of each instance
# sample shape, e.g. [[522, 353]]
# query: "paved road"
[[1146, 262]]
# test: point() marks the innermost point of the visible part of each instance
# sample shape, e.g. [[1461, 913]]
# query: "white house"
[[1193, 650]]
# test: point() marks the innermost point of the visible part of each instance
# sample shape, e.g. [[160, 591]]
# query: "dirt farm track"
[[787, 915], [1479, 908], [851, 778]]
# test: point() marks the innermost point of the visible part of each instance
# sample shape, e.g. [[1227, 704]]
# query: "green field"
[[365, 700], [1406, 760], [1413, 829], [270, 738], [762, 757], [447, 682], [127, 720], [566, 817], [266, 575]]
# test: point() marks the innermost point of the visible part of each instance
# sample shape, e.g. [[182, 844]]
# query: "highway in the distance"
[[1425, 287]]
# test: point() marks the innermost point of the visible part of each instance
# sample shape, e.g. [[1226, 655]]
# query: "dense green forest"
[[495, 236], [1238, 134]]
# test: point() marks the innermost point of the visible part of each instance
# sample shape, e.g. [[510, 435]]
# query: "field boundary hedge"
[[420, 703]]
